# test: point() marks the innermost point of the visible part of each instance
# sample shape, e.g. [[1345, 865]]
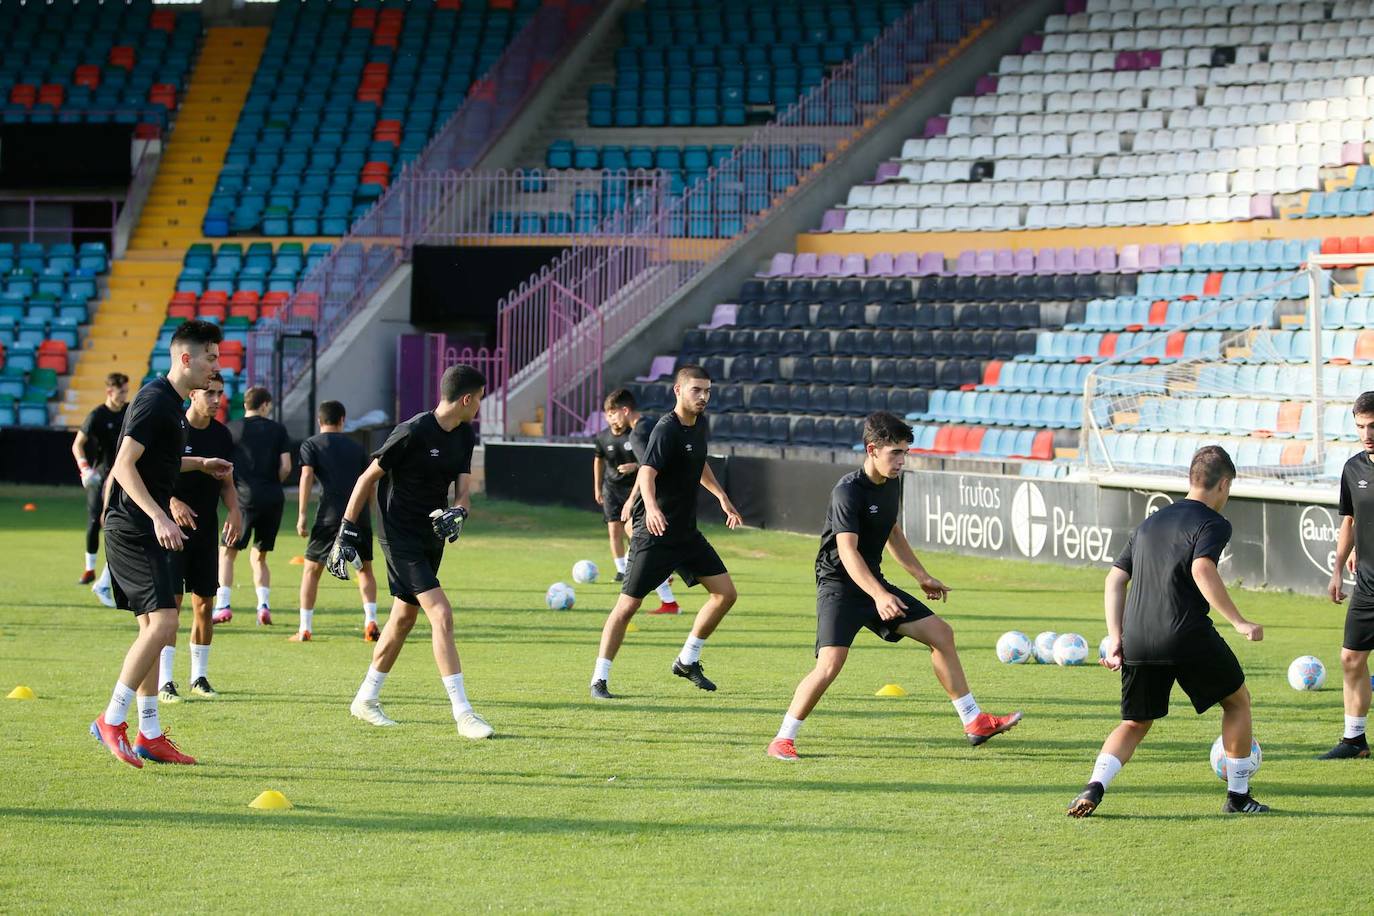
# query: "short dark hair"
[[691, 370], [214, 377], [1364, 405], [116, 380], [256, 398], [621, 397], [460, 380], [1210, 466], [200, 333], [331, 413], [883, 428]]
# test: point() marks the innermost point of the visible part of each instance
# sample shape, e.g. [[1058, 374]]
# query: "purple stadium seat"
[[1150, 59], [1066, 261], [1106, 259], [986, 85], [935, 127], [1171, 257], [828, 266], [851, 266], [908, 264], [985, 263], [1127, 60], [932, 264], [1085, 261], [832, 221], [887, 171], [881, 265], [1262, 206], [662, 367], [1149, 257], [966, 264], [1129, 262], [723, 316], [1032, 43], [1003, 262], [780, 266], [1025, 261], [1075, 6], [1046, 261], [805, 265]]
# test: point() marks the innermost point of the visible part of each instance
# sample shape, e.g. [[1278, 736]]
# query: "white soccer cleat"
[[471, 725], [370, 711], [104, 593]]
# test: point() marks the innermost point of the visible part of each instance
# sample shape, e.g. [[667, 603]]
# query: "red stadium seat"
[[306, 305], [1290, 417], [992, 372], [212, 311], [231, 355], [1212, 285], [1364, 347], [181, 310], [216, 298], [1159, 311], [1173, 344], [973, 439], [1043, 446], [87, 75], [944, 436], [1108, 345], [1293, 454]]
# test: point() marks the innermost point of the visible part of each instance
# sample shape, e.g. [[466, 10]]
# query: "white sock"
[[665, 592], [967, 708], [103, 581], [372, 685], [1105, 770], [90, 562], [307, 619], [262, 591], [164, 665], [369, 612], [148, 724], [200, 662], [222, 596], [790, 727], [456, 694], [118, 710], [1354, 726], [691, 650], [603, 670], [619, 565], [1238, 772]]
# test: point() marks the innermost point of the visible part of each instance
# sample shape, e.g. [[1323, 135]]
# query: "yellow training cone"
[[298, 561], [631, 628], [21, 693], [891, 690], [271, 800]]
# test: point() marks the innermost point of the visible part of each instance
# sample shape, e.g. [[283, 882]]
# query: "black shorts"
[[260, 524], [1359, 623], [1207, 677], [412, 565], [196, 564], [142, 571], [650, 561], [612, 502], [842, 610], [322, 535]]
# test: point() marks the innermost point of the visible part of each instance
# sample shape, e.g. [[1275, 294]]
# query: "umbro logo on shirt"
[[1363, 484], [434, 453], [872, 510], [689, 446], [188, 449]]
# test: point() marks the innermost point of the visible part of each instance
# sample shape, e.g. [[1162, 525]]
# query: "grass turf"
[[663, 800]]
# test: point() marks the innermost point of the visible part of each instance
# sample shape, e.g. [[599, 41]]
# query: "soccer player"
[[666, 535], [337, 461], [194, 507], [140, 537], [94, 451], [1356, 503], [411, 474], [851, 592], [262, 461], [1159, 633]]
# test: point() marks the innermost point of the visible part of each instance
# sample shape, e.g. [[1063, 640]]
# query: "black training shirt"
[[640, 433], [678, 453], [858, 506], [421, 462], [1165, 611], [257, 461], [614, 450], [102, 432], [197, 489], [1357, 501], [157, 421], [338, 461]]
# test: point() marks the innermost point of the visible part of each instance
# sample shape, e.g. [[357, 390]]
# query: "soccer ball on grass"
[[560, 596], [585, 572]]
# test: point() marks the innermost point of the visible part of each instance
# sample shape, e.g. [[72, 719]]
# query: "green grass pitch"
[[663, 801]]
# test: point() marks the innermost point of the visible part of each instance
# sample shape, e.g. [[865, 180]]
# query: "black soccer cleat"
[[601, 692], [1348, 749], [693, 673], [1242, 804], [1087, 801], [168, 693], [620, 577], [201, 688]]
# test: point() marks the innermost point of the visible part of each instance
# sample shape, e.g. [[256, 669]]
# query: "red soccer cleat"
[[116, 738], [299, 636], [161, 749], [87, 577], [222, 615], [264, 616], [988, 725], [783, 749], [667, 607], [371, 633]]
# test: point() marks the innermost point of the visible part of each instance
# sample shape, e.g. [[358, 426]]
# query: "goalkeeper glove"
[[448, 523], [344, 553], [90, 477]]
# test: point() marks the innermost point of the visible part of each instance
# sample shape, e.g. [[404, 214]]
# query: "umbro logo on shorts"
[[434, 453]]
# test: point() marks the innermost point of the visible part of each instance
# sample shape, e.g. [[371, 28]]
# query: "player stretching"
[[140, 537], [666, 535], [1356, 502], [262, 460], [1159, 632], [412, 473], [94, 451], [613, 476], [851, 592], [336, 461]]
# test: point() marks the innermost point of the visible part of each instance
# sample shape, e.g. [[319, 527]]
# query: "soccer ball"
[[1013, 648], [560, 596], [1102, 648], [1044, 647], [1306, 673], [1070, 649], [1219, 757], [585, 572]]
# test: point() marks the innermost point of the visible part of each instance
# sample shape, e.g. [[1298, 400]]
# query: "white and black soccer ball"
[[1043, 647], [1013, 648], [560, 596], [584, 572], [1219, 757], [1306, 673], [1070, 649]]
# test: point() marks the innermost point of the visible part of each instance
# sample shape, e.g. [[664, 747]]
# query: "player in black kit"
[[262, 461], [1356, 503], [412, 474], [140, 537], [665, 532], [851, 593], [93, 450], [336, 461], [195, 501], [1159, 634]]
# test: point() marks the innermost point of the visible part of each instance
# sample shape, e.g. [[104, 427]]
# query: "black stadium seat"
[[825, 432], [722, 426], [751, 291], [766, 369], [802, 369], [730, 398], [804, 431], [861, 370], [899, 291], [863, 343], [823, 370], [740, 342], [853, 315], [742, 369], [767, 342], [714, 366], [802, 291], [798, 316], [792, 343], [827, 291], [828, 315], [775, 291], [693, 343], [851, 291], [842, 371], [902, 342], [818, 343], [874, 291], [885, 373], [774, 315], [749, 316], [779, 430]]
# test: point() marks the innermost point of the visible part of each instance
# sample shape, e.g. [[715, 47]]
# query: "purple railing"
[[420, 363], [601, 289]]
